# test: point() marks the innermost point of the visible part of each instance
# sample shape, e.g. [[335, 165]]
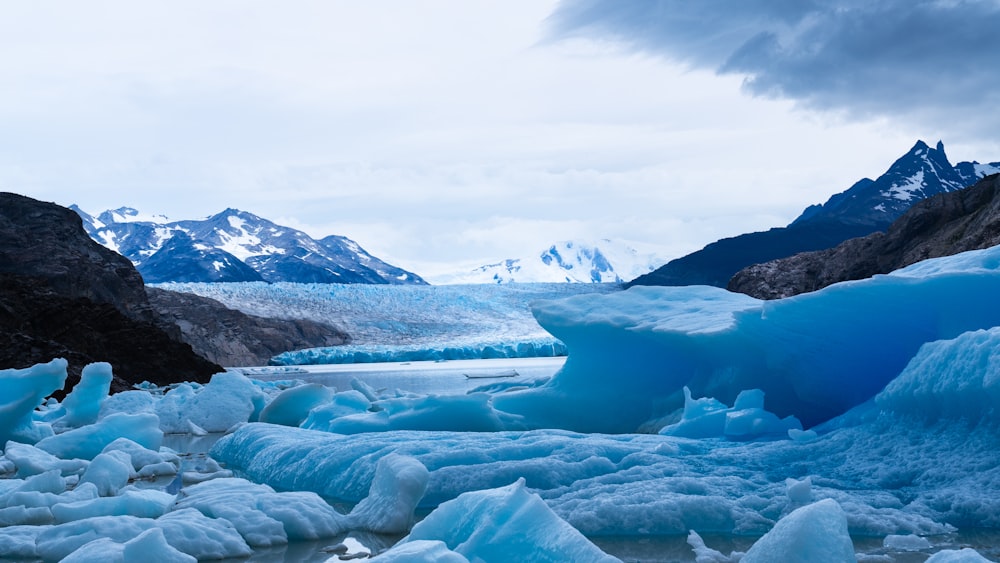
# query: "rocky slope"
[[943, 225], [866, 207], [64, 295], [232, 338]]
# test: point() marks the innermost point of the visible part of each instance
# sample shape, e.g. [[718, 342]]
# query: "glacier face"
[[401, 318]]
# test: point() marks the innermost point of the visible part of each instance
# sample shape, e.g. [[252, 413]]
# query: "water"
[[449, 377]]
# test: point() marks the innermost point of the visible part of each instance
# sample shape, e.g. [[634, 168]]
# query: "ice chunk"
[[958, 378], [138, 503], [141, 457], [109, 472], [966, 555], [131, 402], [201, 537], [467, 413], [22, 390], [342, 404], [292, 405], [505, 524], [397, 488], [905, 543], [228, 399], [29, 460], [817, 532], [705, 554], [147, 546], [262, 516], [719, 343], [57, 542], [88, 441], [83, 404], [747, 420], [420, 551]]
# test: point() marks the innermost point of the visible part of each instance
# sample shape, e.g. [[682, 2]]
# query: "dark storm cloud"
[[925, 59]]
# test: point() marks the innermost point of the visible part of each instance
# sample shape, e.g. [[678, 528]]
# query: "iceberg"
[[815, 355], [505, 524]]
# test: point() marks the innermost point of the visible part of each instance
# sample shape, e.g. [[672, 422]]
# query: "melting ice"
[[867, 409]]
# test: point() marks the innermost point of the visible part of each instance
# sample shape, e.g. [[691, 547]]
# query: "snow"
[[907, 190]]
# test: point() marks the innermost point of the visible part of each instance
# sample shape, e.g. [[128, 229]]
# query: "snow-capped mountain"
[[235, 246], [867, 206], [603, 261], [919, 174]]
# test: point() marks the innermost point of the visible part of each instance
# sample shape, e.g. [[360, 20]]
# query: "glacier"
[[896, 380], [403, 323]]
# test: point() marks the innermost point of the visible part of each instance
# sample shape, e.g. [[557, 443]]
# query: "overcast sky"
[[447, 132]]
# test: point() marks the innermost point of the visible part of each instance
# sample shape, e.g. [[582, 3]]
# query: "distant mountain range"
[[234, 246], [866, 207], [602, 261]]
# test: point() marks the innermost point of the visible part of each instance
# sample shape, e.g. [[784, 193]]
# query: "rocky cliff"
[[232, 338], [942, 225], [64, 295]]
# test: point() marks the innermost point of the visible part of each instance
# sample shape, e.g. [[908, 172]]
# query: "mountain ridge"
[[942, 225], [235, 245], [866, 207]]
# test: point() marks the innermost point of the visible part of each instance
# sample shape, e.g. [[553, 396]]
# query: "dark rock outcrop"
[[943, 225], [233, 338], [64, 295]]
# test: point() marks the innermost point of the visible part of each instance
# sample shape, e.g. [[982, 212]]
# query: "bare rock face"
[[64, 295], [942, 225], [233, 338]]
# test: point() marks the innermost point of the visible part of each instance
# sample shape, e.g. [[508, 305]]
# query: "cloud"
[[932, 62]]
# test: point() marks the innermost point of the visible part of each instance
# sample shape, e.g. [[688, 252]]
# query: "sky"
[[446, 134]]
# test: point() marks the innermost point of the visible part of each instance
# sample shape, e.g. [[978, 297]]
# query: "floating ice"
[[22, 390], [292, 405], [88, 441], [746, 420], [468, 413], [967, 555], [505, 524], [109, 472], [420, 551], [817, 532], [139, 503], [342, 404], [631, 352], [29, 460], [396, 490], [83, 404], [228, 399], [150, 545]]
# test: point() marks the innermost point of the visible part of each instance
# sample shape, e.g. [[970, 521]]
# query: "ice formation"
[[907, 462], [632, 352], [505, 524]]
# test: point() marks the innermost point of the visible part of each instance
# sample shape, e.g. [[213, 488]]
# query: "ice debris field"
[[866, 410]]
